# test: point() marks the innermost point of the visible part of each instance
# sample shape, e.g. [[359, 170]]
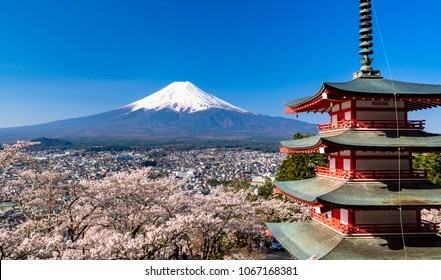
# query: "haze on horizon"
[[65, 59]]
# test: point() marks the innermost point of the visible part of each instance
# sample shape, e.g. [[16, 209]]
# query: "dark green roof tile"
[[374, 86], [308, 238], [378, 194], [371, 140], [298, 101], [305, 239], [385, 86], [306, 143], [388, 247], [309, 189], [363, 194], [386, 139]]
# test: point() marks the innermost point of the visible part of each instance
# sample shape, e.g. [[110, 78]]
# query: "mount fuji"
[[180, 111], [182, 97]]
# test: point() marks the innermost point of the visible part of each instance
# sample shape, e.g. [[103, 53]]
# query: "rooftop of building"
[[370, 140], [419, 96], [379, 194], [308, 239]]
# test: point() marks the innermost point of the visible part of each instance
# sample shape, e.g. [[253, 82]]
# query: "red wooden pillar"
[[351, 216], [336, 218], [353, 153]]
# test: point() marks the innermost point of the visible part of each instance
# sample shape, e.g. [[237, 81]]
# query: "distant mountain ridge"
[[179, 111], [57, 143]]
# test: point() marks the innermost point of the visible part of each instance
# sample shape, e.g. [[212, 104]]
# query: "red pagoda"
[[367, 203]]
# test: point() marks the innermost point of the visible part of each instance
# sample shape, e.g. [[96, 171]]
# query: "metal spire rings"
[[365, 32]]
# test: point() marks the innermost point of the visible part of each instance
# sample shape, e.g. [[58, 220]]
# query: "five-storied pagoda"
[[367, 203]]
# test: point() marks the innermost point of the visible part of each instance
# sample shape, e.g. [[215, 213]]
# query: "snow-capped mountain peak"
[[182, 96]]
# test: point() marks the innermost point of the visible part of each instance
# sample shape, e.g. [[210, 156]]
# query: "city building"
[[367, 203]]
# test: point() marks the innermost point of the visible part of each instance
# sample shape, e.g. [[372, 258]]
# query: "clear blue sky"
[[62, 59]]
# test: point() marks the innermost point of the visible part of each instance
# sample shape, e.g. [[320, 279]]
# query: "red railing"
[[423, 227], [370, 174], [331, 172], [344, 124], [378, 124], [332, 222]]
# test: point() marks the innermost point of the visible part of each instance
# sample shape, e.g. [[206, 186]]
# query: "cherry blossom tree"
[[130, 215], [221, 223], [11, 154]]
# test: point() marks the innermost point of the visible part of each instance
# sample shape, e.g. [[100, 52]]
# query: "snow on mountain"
[[182, 96]]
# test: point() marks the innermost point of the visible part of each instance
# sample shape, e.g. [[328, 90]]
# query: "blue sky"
[[63, 59]]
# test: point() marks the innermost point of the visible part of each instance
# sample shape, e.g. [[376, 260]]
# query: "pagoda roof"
[[306, 239], [330, 191], [420, 96], [309, 190], [368, 140], [385, 86]]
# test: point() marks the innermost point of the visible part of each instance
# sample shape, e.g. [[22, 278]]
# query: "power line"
[[397, 131]]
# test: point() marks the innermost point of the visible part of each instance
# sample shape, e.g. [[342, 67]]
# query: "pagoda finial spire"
[[366, 42]]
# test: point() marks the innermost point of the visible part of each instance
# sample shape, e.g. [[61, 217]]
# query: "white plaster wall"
[[346, 164], [344, 214], [332, 163]]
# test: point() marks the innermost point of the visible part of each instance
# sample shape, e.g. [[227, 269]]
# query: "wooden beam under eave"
[[429, 104], [326, 109], [413, 107]]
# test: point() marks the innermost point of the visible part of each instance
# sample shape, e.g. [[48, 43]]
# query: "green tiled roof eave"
[[303, 143], [309, 189], [370, 140], [375, 86], [390, 247], [303, 100], [385, 86], [386, 139], [308, 238], [305, 239], [385, 194], [295, 102], [363, 194]]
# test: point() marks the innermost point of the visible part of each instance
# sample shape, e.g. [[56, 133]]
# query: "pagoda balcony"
[[371, 124], [423, 227], [362, 175]]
